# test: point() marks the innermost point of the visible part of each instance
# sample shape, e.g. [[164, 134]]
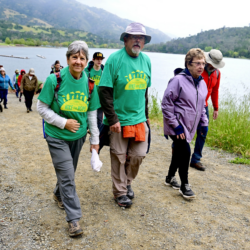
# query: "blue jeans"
[[3, 96], [199, 143]]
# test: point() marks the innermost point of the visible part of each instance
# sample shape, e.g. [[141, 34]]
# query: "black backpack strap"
[[59, 81]]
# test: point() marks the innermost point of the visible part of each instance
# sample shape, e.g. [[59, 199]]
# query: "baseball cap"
[[98, 54]]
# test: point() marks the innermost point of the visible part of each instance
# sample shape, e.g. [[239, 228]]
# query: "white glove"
[[96, 164]]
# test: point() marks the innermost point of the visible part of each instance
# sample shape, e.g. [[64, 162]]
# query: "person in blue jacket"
[[5, 81]]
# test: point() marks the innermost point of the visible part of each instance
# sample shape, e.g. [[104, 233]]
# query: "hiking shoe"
[[186, 192], [59, 201], [28, 110], [123, 201], [130, 193], [74, 229], [1, 108], [31, 110], [198, 166], [20, 99], [5, 107], [171, 181]]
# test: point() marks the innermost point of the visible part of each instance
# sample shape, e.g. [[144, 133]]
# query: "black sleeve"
[[106, 100], [146, 103]]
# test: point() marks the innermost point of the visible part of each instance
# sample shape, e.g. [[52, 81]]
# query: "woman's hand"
[[72, 125], [182, 136], [96, 147]]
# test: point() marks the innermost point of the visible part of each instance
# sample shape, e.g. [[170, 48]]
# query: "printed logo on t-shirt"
[[97, 79], [136, 80], [75, 102]]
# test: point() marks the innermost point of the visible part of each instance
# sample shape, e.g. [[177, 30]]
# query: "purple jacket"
[[184, 104]]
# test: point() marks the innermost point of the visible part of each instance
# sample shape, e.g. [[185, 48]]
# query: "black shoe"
[[31, 110], [130, 193], [123, 201], [28, 110], [20, 99], [5, 107], [198, 166], [1, 108], [186, 192], [171, 181]]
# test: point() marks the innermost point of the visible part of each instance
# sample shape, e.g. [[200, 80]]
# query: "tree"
[[208, 48], [7, 40]]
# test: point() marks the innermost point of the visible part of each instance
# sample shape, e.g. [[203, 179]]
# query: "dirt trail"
[[159, 218]]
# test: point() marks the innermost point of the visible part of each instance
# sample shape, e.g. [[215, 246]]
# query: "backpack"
[[91, 85], [91, 65]]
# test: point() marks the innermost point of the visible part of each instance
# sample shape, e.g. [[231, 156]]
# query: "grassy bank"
[[230, 132]]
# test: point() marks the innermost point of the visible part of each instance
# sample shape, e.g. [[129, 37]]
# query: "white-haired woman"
[[66, 115]]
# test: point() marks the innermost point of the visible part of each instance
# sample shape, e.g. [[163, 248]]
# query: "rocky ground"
[[159, 218]]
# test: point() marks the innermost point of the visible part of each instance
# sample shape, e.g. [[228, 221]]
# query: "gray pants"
[[65, 156]]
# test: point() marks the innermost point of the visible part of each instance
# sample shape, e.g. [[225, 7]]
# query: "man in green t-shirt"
[[94, 71], [123, 96]]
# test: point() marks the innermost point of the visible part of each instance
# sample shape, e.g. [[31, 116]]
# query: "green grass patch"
[[238, 160], [231, 131]]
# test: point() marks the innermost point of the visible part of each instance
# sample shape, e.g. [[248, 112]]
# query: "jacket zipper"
[[196, 109]]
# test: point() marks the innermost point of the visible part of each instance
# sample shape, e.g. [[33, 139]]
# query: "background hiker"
[[5, 82], [123, 96], [15, 80], [19, 80], [183, 108], [28, 87], [211, 76], [56, 67], [66, 115], [94, 71]]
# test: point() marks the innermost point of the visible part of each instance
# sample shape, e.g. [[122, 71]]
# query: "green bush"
[[154, 107]]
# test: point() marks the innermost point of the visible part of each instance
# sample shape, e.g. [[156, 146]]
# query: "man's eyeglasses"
[[141, 38], [199, 64]]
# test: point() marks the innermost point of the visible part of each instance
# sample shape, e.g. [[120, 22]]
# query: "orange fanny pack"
[[135, 131]]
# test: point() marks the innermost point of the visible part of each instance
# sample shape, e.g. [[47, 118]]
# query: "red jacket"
[[213, 83]]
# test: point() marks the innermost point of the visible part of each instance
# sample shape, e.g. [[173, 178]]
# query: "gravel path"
[[159, 218]]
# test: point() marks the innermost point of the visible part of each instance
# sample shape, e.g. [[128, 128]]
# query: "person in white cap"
[[5, 82], [211, 75], [123, 96], [28, 87]]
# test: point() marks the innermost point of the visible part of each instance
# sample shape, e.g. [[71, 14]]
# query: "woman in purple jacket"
[[183, 107]]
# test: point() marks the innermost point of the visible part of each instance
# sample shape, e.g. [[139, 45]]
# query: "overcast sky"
[[181, 17]]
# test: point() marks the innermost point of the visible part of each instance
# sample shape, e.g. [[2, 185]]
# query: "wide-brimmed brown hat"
[[136, 29], [215, 58]]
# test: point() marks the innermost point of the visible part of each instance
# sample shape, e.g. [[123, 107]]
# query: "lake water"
[[235, 75]]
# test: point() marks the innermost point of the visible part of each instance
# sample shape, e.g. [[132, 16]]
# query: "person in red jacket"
[[211, 75], [22, 73]]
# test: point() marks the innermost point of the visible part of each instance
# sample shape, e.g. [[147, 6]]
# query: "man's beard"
[[136, 51]]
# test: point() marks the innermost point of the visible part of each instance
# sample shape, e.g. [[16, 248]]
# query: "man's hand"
[[215, 114], [116, 128], [96, 147], [182, 136], [72, 125]]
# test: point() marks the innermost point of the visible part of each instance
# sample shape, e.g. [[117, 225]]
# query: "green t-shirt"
[[94, 75], [73, 101], [129, 77]]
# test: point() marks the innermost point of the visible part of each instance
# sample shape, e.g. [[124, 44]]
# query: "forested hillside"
[[233, 42], [70, 14], [37, 35]]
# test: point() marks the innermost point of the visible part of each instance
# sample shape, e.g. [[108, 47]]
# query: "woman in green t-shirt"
[[66, 117]]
